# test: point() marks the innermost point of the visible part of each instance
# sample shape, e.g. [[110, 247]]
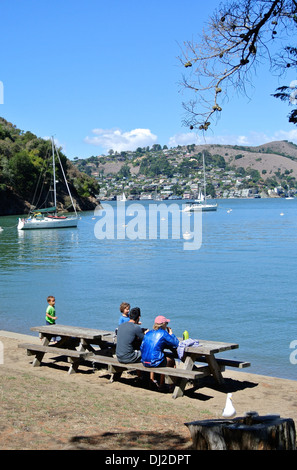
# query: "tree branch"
[[237, 37]]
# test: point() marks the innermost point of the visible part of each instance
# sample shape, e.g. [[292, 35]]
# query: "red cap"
[[161, 319]]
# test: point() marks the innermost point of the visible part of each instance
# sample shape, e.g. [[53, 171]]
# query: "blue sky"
[[102, 75]]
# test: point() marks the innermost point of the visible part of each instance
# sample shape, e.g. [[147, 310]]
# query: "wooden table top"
[[204, 347], [210, 347], [72, 331]]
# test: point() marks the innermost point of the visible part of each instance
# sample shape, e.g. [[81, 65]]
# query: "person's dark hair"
[[134, 313]]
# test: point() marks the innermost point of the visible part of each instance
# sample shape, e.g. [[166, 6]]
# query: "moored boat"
[[200, 203], [47, 218]]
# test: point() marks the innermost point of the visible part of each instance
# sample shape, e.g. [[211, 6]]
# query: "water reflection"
[[33, 249]]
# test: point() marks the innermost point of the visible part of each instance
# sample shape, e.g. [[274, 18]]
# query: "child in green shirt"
[[50, 315]]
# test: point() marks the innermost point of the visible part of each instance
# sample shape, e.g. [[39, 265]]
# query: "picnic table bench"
[[174, 375], [38, 350], [185, 370], [77, 343]]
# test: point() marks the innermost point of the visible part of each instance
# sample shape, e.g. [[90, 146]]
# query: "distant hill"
[[273, 157], [232, 171], [23, 161]]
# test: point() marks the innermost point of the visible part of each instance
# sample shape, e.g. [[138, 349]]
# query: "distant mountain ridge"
[[271, 157], [232, 170]]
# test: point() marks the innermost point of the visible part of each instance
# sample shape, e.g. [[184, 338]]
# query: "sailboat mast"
[[204, 181], [65, 179], [54, 173]]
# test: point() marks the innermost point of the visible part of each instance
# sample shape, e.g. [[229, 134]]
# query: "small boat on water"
[[200, 203], [47, 218], [200, 206], [122, 197], [42, 219]]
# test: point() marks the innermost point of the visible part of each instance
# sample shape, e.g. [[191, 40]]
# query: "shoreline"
[[29, 337], [14, 335]]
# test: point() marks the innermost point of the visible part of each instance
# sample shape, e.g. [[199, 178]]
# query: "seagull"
[[229, 410]]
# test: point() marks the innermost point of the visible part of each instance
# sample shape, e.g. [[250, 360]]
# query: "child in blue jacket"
[[154, 343]]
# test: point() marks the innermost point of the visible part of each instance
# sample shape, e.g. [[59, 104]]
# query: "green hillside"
[[24, 164]]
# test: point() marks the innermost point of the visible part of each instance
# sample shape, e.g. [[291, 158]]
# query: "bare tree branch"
[[239, 36]]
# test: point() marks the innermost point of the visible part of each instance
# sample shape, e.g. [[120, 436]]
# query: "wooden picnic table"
[[77, 344]]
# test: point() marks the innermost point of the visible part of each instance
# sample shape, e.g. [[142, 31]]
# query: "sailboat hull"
[[47, 223], [201, 207]]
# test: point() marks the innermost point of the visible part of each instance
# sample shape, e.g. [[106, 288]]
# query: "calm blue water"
[[240, 286]]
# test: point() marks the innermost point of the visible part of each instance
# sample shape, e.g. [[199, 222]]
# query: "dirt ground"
[[44, 408]]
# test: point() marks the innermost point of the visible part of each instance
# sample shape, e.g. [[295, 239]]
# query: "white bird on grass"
[[229, 410]]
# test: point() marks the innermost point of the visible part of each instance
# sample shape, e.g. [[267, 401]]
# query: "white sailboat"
[[122, 197], [200, 203], [47, 218]]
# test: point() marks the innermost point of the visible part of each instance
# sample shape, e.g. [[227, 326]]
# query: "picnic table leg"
[[85, 346], [115, 372], [45, 339], [74, 365], [215, 369], [180, 384], [179, 388], [39, 355], [37, 360]]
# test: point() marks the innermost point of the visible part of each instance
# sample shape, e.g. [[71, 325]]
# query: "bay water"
[[239, 286]]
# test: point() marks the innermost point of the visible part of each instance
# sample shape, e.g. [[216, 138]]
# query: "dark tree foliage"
[[25, 159]]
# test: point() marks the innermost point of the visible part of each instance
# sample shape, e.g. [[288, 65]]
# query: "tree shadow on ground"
[[131, 440]]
